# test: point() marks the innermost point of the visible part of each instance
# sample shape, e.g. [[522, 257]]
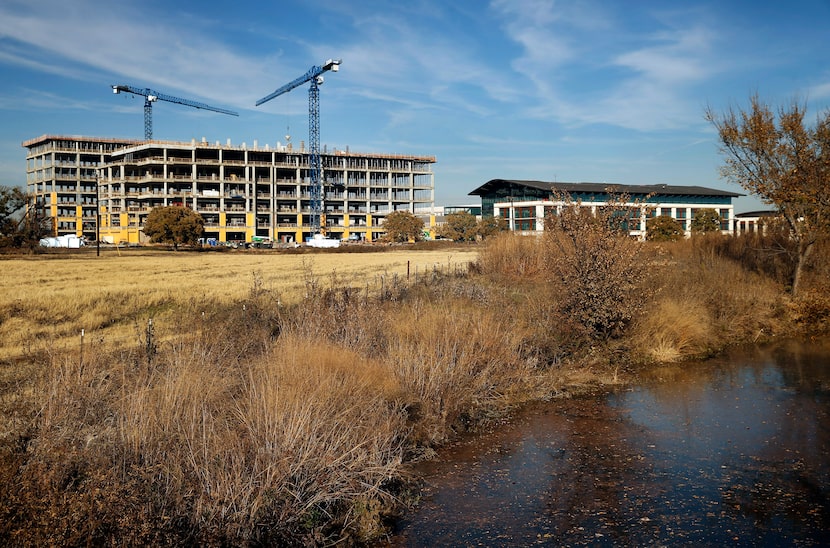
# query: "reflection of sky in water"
[[735, 412], [724, 452], [761, 409]]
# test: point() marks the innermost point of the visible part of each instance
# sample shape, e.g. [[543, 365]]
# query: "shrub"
[[174, 224], [596, 266], [491, 226], [706, 220], [402, 226], [460, 227], [663, 229]]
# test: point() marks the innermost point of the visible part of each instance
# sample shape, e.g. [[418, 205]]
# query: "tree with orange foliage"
[[786, 163]]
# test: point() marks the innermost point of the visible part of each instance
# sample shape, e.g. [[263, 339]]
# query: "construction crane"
[[151, 97], [315, 76]]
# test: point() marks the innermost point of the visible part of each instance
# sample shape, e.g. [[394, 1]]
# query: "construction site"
[[101, 188], [243, 193]]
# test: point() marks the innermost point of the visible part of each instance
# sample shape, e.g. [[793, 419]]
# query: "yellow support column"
[[53, 213], [346, 226], [368, 227], [298, 235], [250, 230], [125, 223], [79, 220]]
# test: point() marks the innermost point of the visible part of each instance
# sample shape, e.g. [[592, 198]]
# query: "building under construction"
[[244, 193]]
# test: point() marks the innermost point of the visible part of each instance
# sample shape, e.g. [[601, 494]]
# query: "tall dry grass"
[[705, 301], [199, 448], [700, 295], [456, 363], [511, 256], [256, 420]]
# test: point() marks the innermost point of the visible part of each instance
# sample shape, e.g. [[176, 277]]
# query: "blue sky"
[[599, 91]]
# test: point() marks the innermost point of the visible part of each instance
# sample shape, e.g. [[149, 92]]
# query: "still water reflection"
[[734, 451]]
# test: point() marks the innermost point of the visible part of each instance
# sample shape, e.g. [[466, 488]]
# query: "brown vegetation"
[[254, 410], [777, 156]]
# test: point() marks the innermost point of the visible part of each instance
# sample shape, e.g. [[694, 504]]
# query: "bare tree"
[[775, 156], [21, 222]]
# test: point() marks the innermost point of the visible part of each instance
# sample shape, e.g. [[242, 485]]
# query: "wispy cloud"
[[675, 58], [567, 63], [587, 69], [36, 99], [425, 61], [820, 91], [128, 43]]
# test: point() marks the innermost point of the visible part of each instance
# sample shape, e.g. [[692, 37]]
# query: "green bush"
[[663, 229], [706, 220]]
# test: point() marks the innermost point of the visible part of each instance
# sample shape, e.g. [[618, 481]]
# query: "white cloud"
[[136, 46], [678, 58], [820, 91], [394, 57], [588, 68]]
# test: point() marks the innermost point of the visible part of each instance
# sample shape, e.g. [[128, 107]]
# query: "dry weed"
[[673, 329]]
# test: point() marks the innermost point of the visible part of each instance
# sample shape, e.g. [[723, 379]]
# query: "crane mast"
[[315, 76], [151, 97]]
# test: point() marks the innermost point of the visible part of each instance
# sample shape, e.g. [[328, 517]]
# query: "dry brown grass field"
[[46, 300]]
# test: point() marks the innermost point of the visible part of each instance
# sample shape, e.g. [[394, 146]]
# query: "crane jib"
[[153, 96], [312, 73]]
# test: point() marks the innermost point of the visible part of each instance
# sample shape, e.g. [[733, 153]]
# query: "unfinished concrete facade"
[[62, 175], [243, 193]]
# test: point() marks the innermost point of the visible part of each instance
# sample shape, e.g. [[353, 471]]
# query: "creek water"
[[728, 452]]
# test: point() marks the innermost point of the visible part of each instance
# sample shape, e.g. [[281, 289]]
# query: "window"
[[525, 212]]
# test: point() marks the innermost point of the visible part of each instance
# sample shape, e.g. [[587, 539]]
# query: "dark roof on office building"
[[759, 213], [499, 186]]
